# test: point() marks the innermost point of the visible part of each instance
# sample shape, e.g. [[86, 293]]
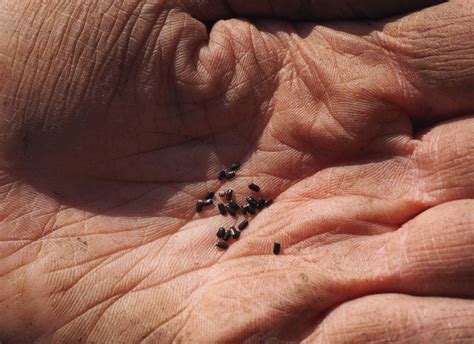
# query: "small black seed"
[[276, 248], [242, 210], [249, 209], [261, 204], [243, 225], [222, 193], [235, 166], [222, 175], [252, 202], [230, 175], [254, 187], [227, 235], [268, 202], [232, 231], [236, 234], [199, 206], [228, 194], [222, 209], [207, 202], [233, 205], [221, 232], [210, 195], [230, 210], [222, 245]]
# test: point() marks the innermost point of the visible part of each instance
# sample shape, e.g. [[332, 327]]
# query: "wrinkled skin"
[[115, 116]]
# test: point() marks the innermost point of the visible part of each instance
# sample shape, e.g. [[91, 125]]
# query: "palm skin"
[[116, 118]]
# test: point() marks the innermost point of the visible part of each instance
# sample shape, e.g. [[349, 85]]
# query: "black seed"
[[254, 187], [243, 225], [228, 194], [233, 205], [276, 248], [199, 206], [210, 195], [261, 204], [207, 202], [234, 166], [230, 210], [230, 175], [252, 202], [236, 234], [222, 175], [221, 232], [227, 235], [249, 209], [222, 209], [268, 202], [222, 193], [242, 209], [222, 245]]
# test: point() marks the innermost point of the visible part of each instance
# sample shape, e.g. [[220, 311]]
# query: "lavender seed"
[[231, 211], [222, 194], [230, 175], [249, 209], [234, 205], [207, 202], [210, 195], [199, 206], [222, 209], [236, 234], [276, 248], [232, 231], [228, 194], [222, 245], [244, 224], [252, 202], [235, 166], [261, 204], [227, 236], [242, 210], [268, 202], [254, 187], [222, 175], [221, 232]]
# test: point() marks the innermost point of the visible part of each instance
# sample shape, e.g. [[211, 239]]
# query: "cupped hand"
[[115, 117]]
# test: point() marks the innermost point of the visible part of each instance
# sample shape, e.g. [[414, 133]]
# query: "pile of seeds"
[[229, 206]]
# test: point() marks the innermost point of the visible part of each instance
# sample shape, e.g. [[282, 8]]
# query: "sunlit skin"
[[117, 116]]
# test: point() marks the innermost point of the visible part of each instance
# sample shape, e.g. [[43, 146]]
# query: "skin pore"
[[355, 117]]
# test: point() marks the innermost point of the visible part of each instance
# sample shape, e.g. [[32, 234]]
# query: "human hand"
[[116, 116]]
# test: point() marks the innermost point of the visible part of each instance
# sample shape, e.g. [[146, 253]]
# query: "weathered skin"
[[115, 116]]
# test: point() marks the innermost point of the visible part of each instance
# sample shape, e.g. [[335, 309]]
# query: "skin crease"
[[115, 117]]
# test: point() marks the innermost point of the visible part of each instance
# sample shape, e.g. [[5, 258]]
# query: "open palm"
[[115, 117]]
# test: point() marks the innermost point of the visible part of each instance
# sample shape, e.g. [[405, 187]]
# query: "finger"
[[398, 318], [432, 254], [432, 54], [302, 9]]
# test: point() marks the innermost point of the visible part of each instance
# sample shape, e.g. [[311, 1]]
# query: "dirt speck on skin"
[[304, 277], [82, 241], [302, 283]]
